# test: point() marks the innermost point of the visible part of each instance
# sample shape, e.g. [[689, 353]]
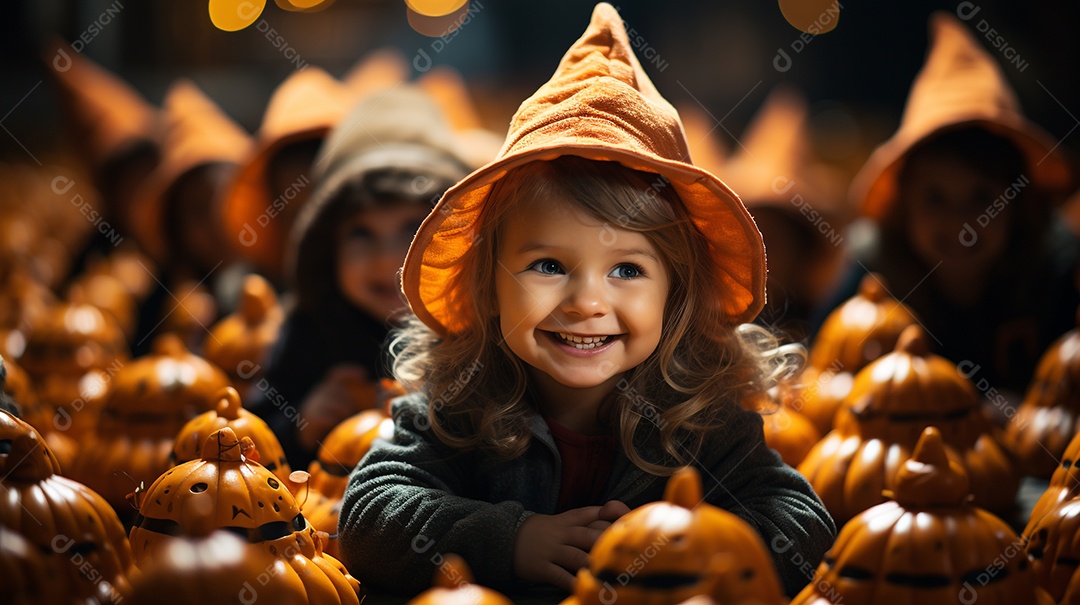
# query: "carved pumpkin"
[[70, 357], [1053, 550], [787, 430], [669, 551], [219, 568], [454, 585], [1064, 484], [1047, 418], [930, 545], [16, 386], [229, 413], [857, 332], [190, 314], [240, 342], [150, 400], [892, 400], [60, 517], [227, 488], [343, 448]]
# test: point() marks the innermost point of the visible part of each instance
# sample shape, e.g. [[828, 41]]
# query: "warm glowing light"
[[234, 15], [811, 16], [434, 8], [436, 27]]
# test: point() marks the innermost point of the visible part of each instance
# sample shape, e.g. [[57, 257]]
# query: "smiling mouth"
[[584, 343]]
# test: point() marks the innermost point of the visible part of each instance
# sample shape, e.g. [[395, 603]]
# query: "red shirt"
[[586, 465]]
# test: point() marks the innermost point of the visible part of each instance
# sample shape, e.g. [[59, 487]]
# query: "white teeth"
[[584, 343]]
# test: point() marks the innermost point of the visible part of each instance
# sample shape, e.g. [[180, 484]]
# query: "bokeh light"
[[435, 8], [234, 15], [811, 16]]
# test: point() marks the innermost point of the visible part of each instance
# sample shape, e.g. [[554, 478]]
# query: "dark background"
[[719, 53]]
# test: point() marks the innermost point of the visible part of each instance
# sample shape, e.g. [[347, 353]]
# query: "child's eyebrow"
[[534, 246], [635, 252]]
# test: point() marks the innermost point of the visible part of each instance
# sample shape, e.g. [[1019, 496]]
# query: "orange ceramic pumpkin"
[[99, 288], [219, 568], [854, 334], [71, 357], [343, 448], [1064, 484], [240, 342], [150, 400], [929, 546], [1053, 549], [190, 314], [1047, 418], [229, 413], [787, 430], [454, 585], [60, 517], [669, 551], [892, 400]]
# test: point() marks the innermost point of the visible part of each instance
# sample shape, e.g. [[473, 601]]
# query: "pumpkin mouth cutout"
[[919, 581], [267, 532], [871, 414], [654, 581]]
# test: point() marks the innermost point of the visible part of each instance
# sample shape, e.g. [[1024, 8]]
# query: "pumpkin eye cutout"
[[199, 488], [5, 446], [273, 483]]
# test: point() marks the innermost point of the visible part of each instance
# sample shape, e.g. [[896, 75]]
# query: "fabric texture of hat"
[[959, 85], [598, 105], [195, 132], [303, 108], [105, 112]]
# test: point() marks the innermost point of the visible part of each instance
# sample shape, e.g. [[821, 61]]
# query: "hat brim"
[[874, 189], [434, 259]]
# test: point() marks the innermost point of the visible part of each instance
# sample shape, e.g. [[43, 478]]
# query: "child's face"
[[371, 248], [562, 277], [941, 194]]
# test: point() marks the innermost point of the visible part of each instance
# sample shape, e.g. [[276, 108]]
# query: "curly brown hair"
[[478, 389]]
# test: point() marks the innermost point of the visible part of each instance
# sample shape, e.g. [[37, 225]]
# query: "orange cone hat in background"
[[447, 88], [377, 70], [773, 163], [703, 139], [598, 105], [106, 114], [303, 108], [195, 132], [959, 85]]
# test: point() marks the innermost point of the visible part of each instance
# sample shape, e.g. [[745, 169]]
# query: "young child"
[[961, 199], [381, 170], [577, 337]]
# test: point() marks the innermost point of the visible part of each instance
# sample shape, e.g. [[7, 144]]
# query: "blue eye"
[[546, 266], [627, 271]]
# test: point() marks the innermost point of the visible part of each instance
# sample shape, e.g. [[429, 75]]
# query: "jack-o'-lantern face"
[[667, 552], [1054, 552], [1064, 485], [230, 413], [861, 330], [930, 545], [1046, 420], [240, 342], [226, 488], [72, 340]]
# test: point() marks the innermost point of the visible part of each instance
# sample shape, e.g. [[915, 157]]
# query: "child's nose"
[[587, 297]]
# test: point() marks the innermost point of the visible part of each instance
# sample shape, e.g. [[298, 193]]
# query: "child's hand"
[[550, 549], [330, 402]]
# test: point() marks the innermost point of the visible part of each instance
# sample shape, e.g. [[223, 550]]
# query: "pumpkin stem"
[[169, 345], [228, 403], [872, 287], [913, 341], [684, 488], [256, 299], [930, 477], [453, 572]]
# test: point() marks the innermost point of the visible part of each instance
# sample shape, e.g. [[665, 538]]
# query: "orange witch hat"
[[105, 113], [303, 108], [959, 85], [195, 132], [773, 162], [598, 105], [447, 88]]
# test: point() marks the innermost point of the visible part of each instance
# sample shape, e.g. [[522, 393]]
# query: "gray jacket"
[[413, 500]]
